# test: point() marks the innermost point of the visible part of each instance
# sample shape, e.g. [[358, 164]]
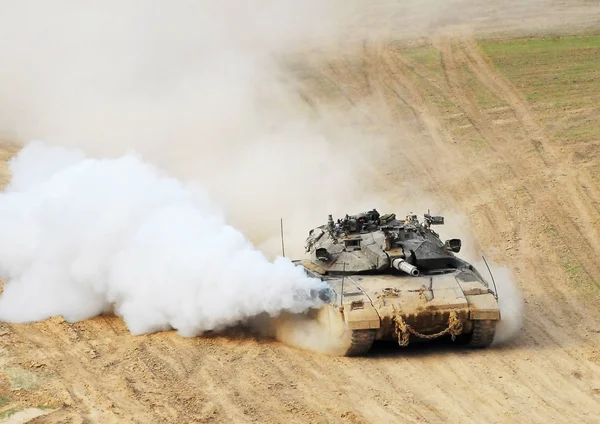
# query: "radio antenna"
[[282, 243], [343, 278], [491, 275]]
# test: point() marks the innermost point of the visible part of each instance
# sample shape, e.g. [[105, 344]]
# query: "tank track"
[[362, 340], [483, 334]]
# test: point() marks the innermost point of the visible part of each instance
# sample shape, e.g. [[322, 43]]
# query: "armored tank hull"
[[396, 280]]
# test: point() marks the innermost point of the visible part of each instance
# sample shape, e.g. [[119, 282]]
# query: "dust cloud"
[[318, 330], [510, 297], [512, 305], [194, 88], [197, 88], [92, 235]]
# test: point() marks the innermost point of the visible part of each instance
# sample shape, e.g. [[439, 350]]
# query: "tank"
[[394, 279]]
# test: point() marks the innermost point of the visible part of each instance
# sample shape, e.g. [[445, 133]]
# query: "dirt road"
[[477, 143]]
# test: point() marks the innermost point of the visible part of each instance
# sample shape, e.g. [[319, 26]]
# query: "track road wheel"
[[362, 340], [483, 334]]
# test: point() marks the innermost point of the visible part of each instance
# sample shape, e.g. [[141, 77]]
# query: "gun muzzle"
[[402, 265]]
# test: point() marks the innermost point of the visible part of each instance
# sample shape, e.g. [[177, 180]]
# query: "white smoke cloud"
[[87, 234]]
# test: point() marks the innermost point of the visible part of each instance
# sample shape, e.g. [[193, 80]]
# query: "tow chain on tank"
[[455, 327]]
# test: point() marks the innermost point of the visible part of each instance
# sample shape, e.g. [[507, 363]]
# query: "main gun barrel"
[[402, 265]]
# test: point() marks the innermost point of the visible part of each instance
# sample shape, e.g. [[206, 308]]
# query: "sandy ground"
[[530, 208]]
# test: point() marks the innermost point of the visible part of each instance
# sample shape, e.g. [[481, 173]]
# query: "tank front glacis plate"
[[424, 302]]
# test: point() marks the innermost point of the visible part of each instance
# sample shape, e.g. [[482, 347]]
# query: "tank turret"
[[370, 242]]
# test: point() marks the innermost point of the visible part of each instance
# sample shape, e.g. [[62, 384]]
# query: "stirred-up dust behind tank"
[[395, 279]]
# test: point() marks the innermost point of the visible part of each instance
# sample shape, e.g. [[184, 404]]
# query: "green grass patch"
[[576, 275], [583, 284], [4, 401], [428, 57], [442, 103], [595, 173], [478, 144], [483, 96], [556, 75], [579, 278], [550, 230], [23, 379], [9, 412], [554, 69], [541, 45], [425, 63], [578, 132]]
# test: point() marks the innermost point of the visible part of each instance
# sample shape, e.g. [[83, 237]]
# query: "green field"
[[560, 77]]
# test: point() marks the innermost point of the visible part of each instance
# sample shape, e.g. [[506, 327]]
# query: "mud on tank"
[[394, 279]]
